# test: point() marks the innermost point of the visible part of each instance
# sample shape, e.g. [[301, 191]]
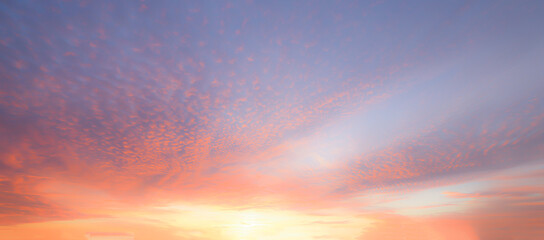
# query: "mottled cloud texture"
[[272, 120]]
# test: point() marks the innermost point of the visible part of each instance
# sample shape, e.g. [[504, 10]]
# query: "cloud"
[[113, 114]]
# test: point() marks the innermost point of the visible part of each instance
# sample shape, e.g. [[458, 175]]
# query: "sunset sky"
[[272, 120]]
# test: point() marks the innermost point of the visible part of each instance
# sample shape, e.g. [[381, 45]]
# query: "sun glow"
[[249, 227], [260, 223]]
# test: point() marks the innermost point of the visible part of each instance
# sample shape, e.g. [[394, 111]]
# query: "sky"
[[242, 120]]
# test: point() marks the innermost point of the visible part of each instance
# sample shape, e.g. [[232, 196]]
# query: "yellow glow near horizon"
[[252, 224]]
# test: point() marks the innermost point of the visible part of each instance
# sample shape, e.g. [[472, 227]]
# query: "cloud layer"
[[115, 117]]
